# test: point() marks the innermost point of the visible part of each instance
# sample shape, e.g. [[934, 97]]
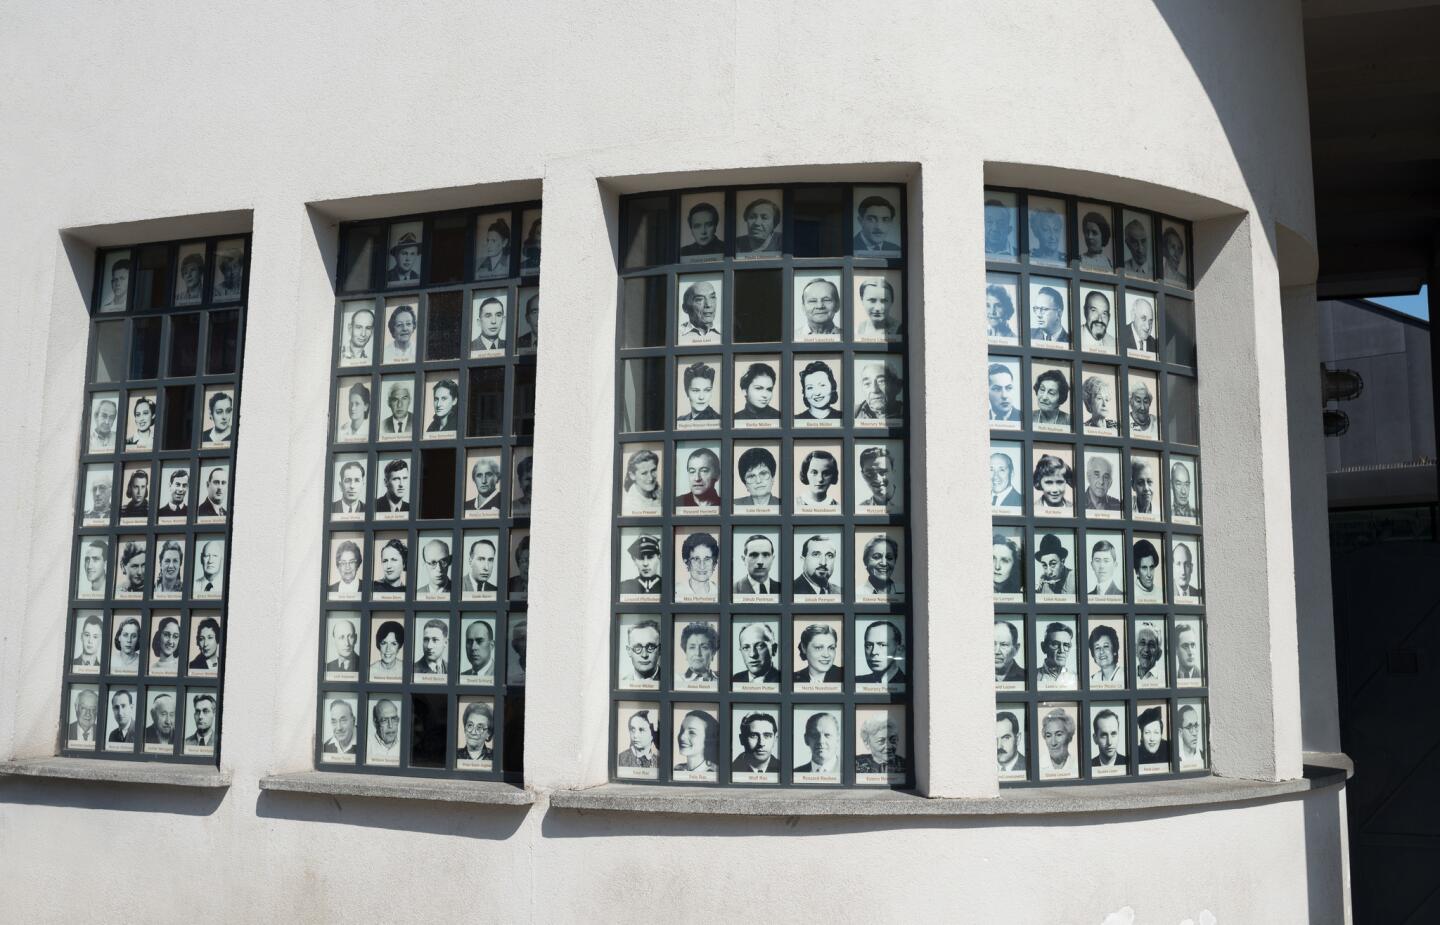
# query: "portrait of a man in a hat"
[[405, 257], [645, 553]]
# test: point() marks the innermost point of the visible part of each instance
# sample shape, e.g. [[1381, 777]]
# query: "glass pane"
[[442, 326], [109, 352], [151, 280], [643, 385], [145, 348], [644, 312], [184, 345], [758, 307], [523, 423], [514, 731], [447, 249], [487, 401], [437, 483], [1182, 411], [819, 222], [360, 245], [429, 730], [649, 224], [177, 423], [220, 356], [1180, 332]]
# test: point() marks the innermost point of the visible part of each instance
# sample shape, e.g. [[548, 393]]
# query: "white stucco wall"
[[124, 123]]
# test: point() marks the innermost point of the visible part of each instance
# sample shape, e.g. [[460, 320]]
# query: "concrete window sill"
[[327, 783], [98, 770]]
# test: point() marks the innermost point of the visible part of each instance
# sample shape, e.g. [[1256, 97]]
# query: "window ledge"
[[119, 772], [329, 783], [1105, 798]]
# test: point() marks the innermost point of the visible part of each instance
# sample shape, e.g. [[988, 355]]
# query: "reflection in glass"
[[1180, 332], [178, 417], [487, 401], [819, 222], [757, 308], [151, 280], [145, 348], [514, 751], [109, 352], [643, 385], [649, 224], [429, 732], [224, 342], [523, 423], [184, 345], [1182, 410], [442, 326], [437, 484], [447, 249], [360, 245], [644, 312]]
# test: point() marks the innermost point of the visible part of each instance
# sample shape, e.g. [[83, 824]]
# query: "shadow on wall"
[[490, 823], [127, 798]]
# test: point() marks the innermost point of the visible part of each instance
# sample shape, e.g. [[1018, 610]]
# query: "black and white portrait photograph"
[[755, 655], [697, 742], [1190, 744], [484, 484], [1046, 220], [1136, 244], [382, 742], [1059, 757], [1174, 255], [1001, 225], [1189, 652], [1053, 480], [115, 282], [818, 315], [1109, 753], [348, 494], [521, 481], [141, 422], [174, 494], [1098, 387], [1141, 327], [702, 226], [1005, 463], [202, 718], [817, 735], [527, 323], [1149, 652], [190, 273], [402, 326], [759, 223], [1145, 490], [388, 655], [818, 488], [878, 317], [120, 723], [1049, 313], [169, 583], [879, 566], [87, 648], [1002, 295], [442, 401], [1184, 490], [818, 664], [135, 505], [755, 753], [697, 565], [161, 711], [877, 221], [218, 423], [1050, 397], [346, 566], [641, 485], [397, 416], [489, 310], [758, 397], [81, 731], [641, 571], [698, 465], [1101, 499], [817, 565], [1152, 742], [1185, 561], [530, 243], [338, 728], [352, 410], [165, 644], [1007, 555], [879, 479], [1010, 742], [389, 567], [131, 559], [342, 646], [402, 264], [1147, 569], [879, 391], [881, 746], [204, 648], [641, 652], [517, 586], [1143, 405], [479, 580], [697, 654], [1055, 654], [1055, 566], [477, 650], [880, 663], [492, 245], [817, 397], [214, 503], [431, 632], [125, 643], [757, 468], [1096, 237], [756, 565], [96, 496], [357, 333], [1097, 319], [637, 734], [208, 582], [104, 420], [392, 492], [1106, 559], [1106, 644], [229, 270], [474, 740], [1010, 659], [697, 393], [699, 299]]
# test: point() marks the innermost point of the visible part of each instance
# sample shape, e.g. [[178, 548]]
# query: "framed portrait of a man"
[[431, 632], [1109, 751], [1103, 474], [759, 223], [755, 749], [1097, 319], [115, 282], [397, 419], [530, 244], [881, 745], [1045, 219], [132, 568], [489, 312], [1191, 749], [123, 707], [208, 580], [159, 721], [878, 314], [879, 391], [349, 497], [342, 646], [1010, 742], [698, 466], [384, 715], [1105, 559], [1050, 326], [819, 308], [756, 566], [1185, 569], [88, 647], [527, 321], [1009, 651], [341, 728], [202, 719], [82, 731], [403, 259], [1002, 297], [1006, 470], [878, 221], [104, 420], [1056, 567], [701, 306], [1002, 224], [484, 484], [357, 333], [1189, 648], [642, 570], [1137, 244], [390, 498], [702, 226], [881, 665], [1184, 490], [480, 569], [759, 394], [754, 655], [478, 649], [1142, 326], [97, 495], [640, 655], [213, 505], [879, 477], [1055, 654], [1005, 393], [436, 568], [817, 734], [818, 564]]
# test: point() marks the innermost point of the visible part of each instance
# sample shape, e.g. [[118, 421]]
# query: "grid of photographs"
[[1100, 668], [422, 626], [145, 633], [761, 617]]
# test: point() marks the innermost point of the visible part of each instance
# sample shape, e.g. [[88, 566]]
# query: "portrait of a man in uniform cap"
[[645, 553]]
